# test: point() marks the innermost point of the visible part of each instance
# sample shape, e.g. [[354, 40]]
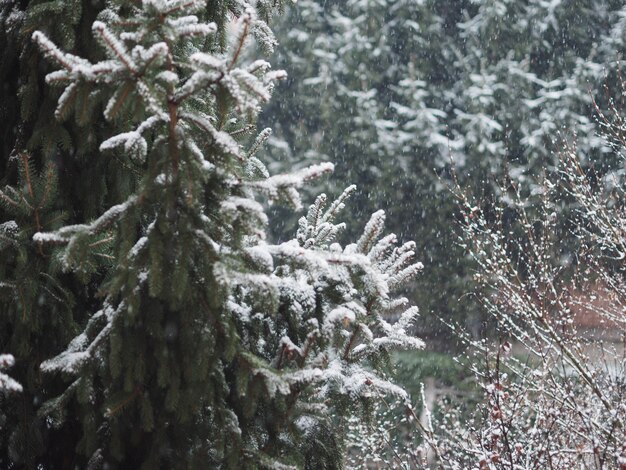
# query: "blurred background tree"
[[399, 93]]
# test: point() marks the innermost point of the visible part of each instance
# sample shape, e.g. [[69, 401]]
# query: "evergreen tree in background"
[[130, 224], [400, 92]]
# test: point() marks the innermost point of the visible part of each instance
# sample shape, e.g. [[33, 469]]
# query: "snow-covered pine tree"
[[207, 346]]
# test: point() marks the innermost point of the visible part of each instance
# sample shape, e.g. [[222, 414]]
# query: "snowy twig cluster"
[[555, 394]]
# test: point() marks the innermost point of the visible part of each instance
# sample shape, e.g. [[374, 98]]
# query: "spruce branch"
[[115, 409], [66, 234], [372, 230], [67, 61], [29, 186], [245, 19], [338, 204], [115, 46], [187, 6]]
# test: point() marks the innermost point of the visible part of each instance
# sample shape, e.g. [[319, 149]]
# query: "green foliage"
[[37, 305], [413, 368], [199, 343], [78, 184]]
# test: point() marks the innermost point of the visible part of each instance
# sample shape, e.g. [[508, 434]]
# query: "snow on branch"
[[282, 383], [64, 235], [114, 47], [50, 50], [170, 7], [338, 204], [7, 384], [221, 139], [82, 349], [356, 381], [79, 239], [284, 186], [314, 259], [259, 142], [133, 142], [188, 26], [372, 230]]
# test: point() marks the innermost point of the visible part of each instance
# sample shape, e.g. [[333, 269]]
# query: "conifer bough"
[[211, 347]]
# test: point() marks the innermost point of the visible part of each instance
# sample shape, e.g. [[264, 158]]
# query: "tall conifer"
[[199, 343]]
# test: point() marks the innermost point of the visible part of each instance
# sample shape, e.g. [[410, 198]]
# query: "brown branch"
[[49, 176], [310, 340], [21, 294], [113, 411], [118, 53], [127, 88], [8, 199], [243, 130], [100, 242], [242, 40], [172, 108], [27, 171], [29, 185], [348, 347], [279, 364]]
